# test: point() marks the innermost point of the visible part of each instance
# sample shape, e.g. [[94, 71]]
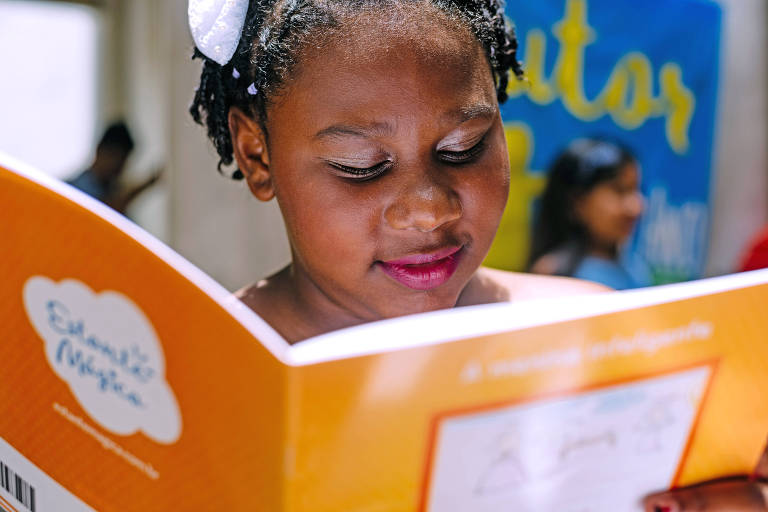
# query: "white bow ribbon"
[[216, 26]]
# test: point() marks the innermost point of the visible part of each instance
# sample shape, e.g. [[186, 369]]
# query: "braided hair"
[[274, 33]]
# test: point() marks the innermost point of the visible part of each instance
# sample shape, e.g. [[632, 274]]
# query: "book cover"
[[129, 380]]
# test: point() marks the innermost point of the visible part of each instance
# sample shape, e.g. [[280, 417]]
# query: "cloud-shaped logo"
[[105, 348]]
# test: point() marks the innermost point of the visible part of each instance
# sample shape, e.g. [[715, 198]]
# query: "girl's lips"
[[423, 271]]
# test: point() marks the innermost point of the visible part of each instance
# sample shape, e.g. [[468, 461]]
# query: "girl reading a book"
[[375, 125]]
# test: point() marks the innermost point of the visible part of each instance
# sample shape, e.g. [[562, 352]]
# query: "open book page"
[[588, 413], [131, 381], [589, 450]]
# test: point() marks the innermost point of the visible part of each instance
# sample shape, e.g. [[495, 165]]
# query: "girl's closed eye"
[[355, 172], [455, 153]]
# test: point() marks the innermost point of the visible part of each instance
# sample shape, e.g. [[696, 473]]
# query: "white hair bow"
[[216, 26]]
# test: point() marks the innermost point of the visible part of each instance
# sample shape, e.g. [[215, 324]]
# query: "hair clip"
[[252, 90], [216, 26], [235, 73]]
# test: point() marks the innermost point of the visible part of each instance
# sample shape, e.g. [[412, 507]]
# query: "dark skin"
[[441, 179], [733, 495], [412, 111]]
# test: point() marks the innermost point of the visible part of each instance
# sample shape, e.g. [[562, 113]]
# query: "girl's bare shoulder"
[[516, 286]]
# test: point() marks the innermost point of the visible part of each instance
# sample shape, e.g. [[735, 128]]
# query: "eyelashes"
[[368, 173], [467, 155], [362, 174]]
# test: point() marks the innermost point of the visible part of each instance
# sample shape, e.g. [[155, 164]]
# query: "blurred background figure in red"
[[756, 255]]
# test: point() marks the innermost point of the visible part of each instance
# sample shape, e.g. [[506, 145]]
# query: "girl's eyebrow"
[[365, 131], [378, 129], [478, 110]]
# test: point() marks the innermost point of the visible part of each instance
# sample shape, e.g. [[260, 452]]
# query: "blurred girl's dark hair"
[[584, 164]]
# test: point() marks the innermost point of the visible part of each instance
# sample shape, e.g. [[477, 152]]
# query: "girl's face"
[[387, 157], [610, 210]]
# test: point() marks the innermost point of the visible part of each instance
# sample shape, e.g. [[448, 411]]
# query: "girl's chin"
[[419, 302]]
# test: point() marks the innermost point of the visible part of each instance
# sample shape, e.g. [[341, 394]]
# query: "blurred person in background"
[[756, 255], [102, 179], [587, 213]]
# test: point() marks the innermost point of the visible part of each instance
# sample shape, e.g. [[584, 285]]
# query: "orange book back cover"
[[122, 380]]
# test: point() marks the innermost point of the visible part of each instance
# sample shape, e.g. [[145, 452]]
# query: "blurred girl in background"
[[589, 208]]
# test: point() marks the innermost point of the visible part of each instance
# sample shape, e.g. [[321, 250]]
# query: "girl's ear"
[[249, 145]]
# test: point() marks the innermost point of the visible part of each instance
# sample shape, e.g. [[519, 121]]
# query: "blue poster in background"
[[644, 73]]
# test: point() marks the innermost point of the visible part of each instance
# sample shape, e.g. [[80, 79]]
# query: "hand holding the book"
[[731, 495]]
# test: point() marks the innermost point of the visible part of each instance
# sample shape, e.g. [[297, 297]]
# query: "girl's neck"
[[604, 252], [296, 307]]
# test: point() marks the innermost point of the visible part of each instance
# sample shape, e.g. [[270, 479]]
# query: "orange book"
[[131, 381]]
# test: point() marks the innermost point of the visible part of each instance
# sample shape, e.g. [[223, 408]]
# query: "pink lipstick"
[[423, 271]]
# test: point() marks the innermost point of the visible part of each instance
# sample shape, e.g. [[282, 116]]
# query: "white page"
[[595, 451]]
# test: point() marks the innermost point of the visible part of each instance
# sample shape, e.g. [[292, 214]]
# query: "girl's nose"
[[423, 206]]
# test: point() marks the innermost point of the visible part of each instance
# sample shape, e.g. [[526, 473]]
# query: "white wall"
[[144, 79], [49, 104], [740, 179]]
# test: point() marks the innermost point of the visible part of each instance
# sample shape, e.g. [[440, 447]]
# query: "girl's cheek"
[[499, 182], [487, 197]]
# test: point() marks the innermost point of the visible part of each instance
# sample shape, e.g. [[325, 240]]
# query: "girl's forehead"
[[424, 25], [389, 77], [386, 48], [407, 108], [412, 31]]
